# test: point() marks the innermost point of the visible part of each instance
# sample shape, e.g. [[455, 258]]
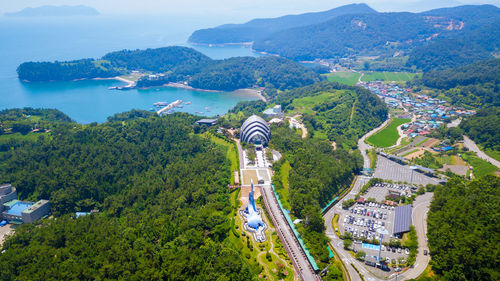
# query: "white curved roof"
[[255, 127]]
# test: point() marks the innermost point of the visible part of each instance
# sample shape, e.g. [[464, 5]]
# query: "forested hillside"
[[174, 58], [376, 34], [65, 71], [465, 48], [245, 72], [261, 28], [162, 195], [336, 112], [484, 128], [463, 227], [474, 86]]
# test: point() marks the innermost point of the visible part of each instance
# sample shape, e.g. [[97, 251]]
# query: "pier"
[[168, 107]]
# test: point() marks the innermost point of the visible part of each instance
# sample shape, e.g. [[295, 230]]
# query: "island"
[[55, 11], [177, 66]]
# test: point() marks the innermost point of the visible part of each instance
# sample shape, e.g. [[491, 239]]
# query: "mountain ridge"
[[55, 11]]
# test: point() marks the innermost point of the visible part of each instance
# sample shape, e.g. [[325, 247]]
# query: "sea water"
[[49, 39]]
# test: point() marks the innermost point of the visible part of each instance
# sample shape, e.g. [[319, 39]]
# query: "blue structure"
[[254, 220]]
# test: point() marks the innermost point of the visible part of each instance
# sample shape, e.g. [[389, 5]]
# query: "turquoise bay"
[[90, 100]]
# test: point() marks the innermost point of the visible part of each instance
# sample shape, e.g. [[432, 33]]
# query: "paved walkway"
[[471, 145]]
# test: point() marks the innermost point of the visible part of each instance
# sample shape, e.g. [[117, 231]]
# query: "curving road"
[[419, 216], [419, 219], [471, 145]]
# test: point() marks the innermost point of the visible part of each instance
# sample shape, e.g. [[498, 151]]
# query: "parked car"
[[425, 252]]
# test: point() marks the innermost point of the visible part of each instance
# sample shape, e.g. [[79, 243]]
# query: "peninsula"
[[161, 66]]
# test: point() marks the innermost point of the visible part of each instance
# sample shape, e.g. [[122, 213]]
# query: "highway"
[[292, 247]]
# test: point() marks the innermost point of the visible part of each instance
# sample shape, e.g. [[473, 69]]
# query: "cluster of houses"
[[430, 113]]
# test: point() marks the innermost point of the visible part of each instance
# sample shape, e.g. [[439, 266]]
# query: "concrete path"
[[471, 145]]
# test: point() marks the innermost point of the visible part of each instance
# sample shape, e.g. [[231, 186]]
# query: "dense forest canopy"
[[474, 86], [484, 128], [317, 173], [261, 28], [465, 48], [65, 71], [463, 227], [244, 72], [158, 60], [162, 195]]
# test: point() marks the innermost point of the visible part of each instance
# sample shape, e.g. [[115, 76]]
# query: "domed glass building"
[[255, 130]]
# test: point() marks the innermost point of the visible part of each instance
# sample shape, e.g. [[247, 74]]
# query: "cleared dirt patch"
[[430, 143], [415, 154], [457, 169]]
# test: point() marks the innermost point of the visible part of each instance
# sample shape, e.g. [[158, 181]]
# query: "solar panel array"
[[402, 219]]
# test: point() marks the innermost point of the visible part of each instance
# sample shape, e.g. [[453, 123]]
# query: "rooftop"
[[35, 206], [402, 219], [18, 207]]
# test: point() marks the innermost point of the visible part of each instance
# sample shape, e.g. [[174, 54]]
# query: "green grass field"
[[388, 76], [389, 135], [480, 168], [18, 136], [232, 153], [344, 77], [306, 104], [284, 192]]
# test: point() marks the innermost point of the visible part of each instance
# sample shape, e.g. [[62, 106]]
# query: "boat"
[[161, 103], [207, 108], [188, 102]]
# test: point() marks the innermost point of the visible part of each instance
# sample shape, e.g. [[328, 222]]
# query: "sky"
[[244, 9]]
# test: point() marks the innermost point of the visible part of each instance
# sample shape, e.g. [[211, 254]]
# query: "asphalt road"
[[337, 244], [419, 219], [471, 145]]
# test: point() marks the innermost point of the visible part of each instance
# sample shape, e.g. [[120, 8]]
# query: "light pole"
[[381, 231]]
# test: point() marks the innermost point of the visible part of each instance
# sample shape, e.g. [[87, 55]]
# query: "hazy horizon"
[[241, 10]]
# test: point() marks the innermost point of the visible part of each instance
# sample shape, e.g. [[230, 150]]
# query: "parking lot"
[[388, 254], [380, 190], [363, 220], [390, 170]]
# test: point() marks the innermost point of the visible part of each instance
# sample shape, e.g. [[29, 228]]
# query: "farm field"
[[344, 77], [389, 135], [387, 76]]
